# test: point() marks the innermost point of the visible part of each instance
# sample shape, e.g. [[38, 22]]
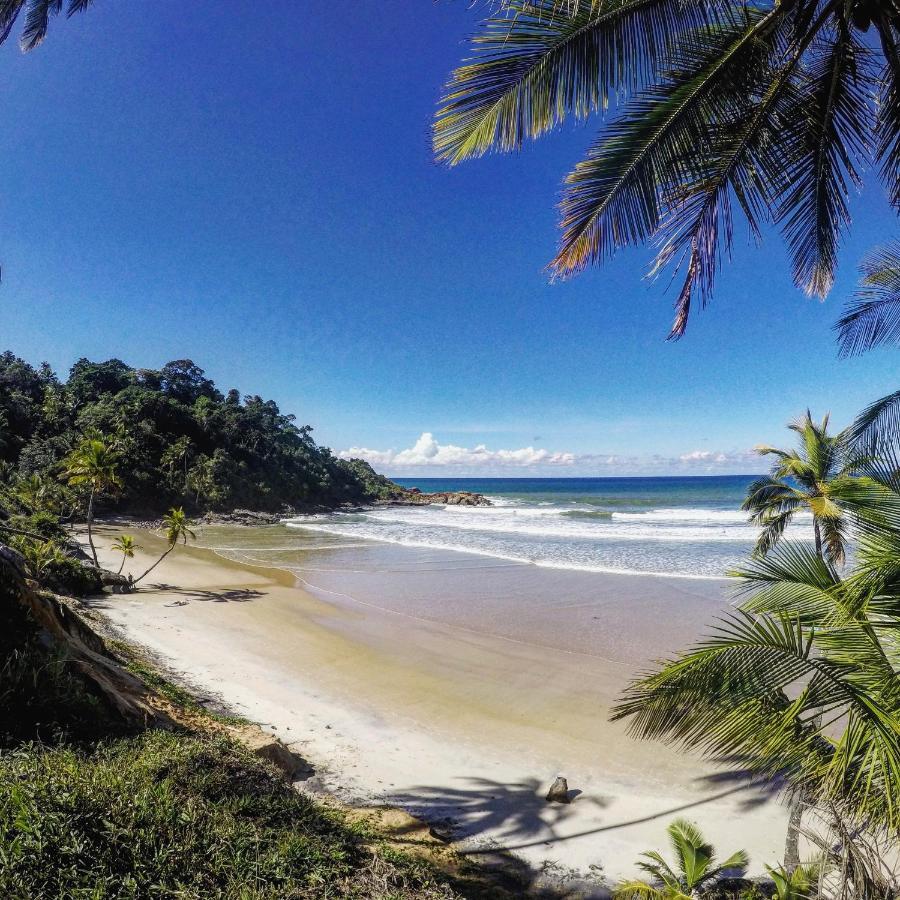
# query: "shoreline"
[[468, 727]]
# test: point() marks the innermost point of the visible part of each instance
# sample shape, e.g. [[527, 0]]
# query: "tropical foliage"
[[801, 683], [820, 477], [767, 110], [872, 318], [695, 869], [144, 440]]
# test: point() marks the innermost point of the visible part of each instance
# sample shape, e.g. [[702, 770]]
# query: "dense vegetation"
[[176, 438]]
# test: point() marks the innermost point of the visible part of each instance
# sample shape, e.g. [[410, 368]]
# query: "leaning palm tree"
[[93, 464], [818, 477], [696, 867], [799, 685], [125, 545], [177, 528], [768, 109]]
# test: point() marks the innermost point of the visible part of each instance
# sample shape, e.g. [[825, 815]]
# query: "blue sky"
[[250, 185]]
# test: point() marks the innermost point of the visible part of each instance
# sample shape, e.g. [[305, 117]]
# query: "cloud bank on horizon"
[[427, 455]]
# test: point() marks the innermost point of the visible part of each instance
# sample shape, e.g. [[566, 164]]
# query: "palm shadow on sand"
[[517, 816], [229, 595]]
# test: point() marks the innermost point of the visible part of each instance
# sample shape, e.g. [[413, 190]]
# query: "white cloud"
[[427, 451], [428, 455], [703, 456]]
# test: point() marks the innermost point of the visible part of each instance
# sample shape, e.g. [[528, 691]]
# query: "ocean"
[[690, 527]]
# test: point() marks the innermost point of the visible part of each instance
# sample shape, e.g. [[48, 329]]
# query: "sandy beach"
[[460, 711]]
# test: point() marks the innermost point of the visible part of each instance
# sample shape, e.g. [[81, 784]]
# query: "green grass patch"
[[186, 816]]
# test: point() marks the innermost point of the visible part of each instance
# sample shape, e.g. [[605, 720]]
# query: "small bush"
[[74, 578], [43, 523], [165, 815]]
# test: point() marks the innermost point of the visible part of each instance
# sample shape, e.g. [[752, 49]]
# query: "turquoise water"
[[686, 526]]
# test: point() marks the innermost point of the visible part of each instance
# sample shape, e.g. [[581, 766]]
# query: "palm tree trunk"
[[121, 565], [171, 548], [792, 840], [90, 523], [795, 815]]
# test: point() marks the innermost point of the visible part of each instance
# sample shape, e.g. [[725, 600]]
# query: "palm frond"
[[872, 318], [741, 165], [615, 196], [37, 20], [792, 579], [537, 63], [9, 13], [637, 890], [826, 137], [877, 427], [888, 122], [730, 696]]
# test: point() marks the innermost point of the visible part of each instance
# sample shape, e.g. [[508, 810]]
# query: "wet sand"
[[453, 686]]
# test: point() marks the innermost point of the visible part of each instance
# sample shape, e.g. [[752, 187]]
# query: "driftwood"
[[83, 647]]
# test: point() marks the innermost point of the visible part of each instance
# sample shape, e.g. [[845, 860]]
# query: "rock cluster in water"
[[415, 497]]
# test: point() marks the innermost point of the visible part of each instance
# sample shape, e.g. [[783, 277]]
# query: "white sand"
[[446, 721]]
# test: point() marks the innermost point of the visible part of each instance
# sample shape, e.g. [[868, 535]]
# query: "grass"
[[187, 816]]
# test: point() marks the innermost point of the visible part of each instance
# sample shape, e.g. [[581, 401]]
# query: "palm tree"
[[800, 684], [94, 464], [770, 108], [696, 867], [176, 524], [818, 477], [125, 545]]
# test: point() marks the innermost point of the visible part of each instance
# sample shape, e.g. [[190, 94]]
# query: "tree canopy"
[[179, 440]]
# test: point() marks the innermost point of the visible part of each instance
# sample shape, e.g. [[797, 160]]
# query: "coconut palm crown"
[[768, 109], [818, 477], [93, 465]]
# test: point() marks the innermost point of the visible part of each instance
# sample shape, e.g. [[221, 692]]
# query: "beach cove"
[[451, 684]]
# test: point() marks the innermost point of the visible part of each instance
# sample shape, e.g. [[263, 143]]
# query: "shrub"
[[74, 578]]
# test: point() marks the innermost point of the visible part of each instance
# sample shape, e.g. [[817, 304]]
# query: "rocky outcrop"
[[241, 517], [415, 497]]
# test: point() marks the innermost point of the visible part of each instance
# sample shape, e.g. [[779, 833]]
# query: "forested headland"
[[173, 438]]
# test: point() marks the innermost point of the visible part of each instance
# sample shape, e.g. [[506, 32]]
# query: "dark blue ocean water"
[[716, 491]]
